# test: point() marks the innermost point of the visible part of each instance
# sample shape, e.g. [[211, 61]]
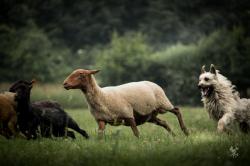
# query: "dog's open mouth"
[[206, 91]]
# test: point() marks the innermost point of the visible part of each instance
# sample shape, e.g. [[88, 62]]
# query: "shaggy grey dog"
[[223, 102]]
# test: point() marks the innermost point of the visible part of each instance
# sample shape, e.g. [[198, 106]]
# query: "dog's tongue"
[[204, 91]]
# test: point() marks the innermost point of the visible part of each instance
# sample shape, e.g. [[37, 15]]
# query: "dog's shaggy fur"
[[223, 102]]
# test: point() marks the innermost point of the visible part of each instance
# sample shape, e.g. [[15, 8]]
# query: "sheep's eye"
[[206, 79], [81, 76]]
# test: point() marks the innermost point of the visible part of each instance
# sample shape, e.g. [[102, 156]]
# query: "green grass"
[[56, 92], [119, 147]]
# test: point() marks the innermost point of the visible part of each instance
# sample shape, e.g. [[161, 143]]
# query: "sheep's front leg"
[[224, 122], [132, 124], [101, 128]]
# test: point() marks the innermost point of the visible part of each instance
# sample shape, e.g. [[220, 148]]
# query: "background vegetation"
[[164, 41]]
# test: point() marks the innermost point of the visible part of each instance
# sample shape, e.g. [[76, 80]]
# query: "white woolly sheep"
[[129, 104]]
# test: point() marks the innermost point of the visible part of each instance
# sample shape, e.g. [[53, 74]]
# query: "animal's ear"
[[33, 81], [203, 69], [212, 69], [93, 71]]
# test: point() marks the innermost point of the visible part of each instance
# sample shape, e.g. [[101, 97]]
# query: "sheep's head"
[[79, 79], [22, 89]]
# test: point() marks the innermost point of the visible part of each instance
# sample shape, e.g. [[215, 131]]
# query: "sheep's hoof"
[[100, 135], [186, 132], [173, 134]]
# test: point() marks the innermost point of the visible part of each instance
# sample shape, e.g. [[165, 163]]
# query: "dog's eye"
[[206, 79]]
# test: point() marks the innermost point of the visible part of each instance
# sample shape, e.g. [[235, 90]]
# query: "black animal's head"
[[22, 89]]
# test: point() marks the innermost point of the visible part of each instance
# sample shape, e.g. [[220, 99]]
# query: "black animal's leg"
[[45, 131], [34, 134], [162, 123], [132, 124], [73, 125], [71, 134], [179, 116], [33, 130], [83, 133]]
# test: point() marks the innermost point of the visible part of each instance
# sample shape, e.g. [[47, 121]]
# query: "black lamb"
[[48, 115]]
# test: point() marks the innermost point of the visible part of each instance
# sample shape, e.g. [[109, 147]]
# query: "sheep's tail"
[[73, 125]]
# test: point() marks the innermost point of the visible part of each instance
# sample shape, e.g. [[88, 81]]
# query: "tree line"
[[164, 41]]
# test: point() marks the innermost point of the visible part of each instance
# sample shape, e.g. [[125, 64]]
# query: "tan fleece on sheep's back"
[[120, 101]]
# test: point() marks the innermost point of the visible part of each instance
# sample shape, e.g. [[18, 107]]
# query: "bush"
[[176, 68], [124, 60]]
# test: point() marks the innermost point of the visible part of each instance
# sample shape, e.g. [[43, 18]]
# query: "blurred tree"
[[30, 54], [124, 60], [162, 40]]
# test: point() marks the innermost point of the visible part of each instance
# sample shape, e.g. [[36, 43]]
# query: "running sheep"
[[129, 104]]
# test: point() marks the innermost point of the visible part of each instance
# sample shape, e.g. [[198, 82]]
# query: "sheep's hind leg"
[[132, 124], [101, 128], [162, 123], [179, 116]]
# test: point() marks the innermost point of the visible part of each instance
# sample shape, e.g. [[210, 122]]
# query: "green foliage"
[[162, 41], [31, 54], [176, 67], [119, 147], [124, 60]]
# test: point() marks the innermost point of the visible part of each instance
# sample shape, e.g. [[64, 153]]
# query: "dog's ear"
[[212, 69], [203, 69]]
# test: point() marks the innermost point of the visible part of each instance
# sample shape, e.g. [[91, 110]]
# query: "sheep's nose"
[[65, 84]]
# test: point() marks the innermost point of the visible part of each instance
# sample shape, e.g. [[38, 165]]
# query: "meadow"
[[68, 99], [155, 146]]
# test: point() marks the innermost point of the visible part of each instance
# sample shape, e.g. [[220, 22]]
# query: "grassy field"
[[68, 99], [119, 147]]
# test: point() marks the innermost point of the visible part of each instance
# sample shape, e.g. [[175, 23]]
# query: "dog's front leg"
[[224, 122]]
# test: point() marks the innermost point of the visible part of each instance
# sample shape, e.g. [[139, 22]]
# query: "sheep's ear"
[[32, 82], [203, 69], [93, 71], [212, 69]]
